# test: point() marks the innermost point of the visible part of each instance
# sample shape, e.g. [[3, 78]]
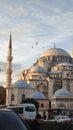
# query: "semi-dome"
[[62, 92], [64, 64], [20, 84], [55, 52], [37, 68], [37, 95]]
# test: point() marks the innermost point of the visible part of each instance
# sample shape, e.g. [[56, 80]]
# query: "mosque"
[[49, 80]]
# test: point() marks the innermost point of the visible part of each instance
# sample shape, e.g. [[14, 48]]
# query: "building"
[[51, 75], [52, 71]]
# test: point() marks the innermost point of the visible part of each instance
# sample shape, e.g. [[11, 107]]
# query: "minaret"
[[9, 72]]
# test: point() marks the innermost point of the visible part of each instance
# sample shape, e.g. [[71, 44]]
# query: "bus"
[[25, 111]]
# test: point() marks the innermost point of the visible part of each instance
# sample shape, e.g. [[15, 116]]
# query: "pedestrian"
[[35, 125], [44, 115]]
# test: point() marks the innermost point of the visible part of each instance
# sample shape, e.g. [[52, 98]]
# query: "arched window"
[[12, 97], [62, 105], [23, 97], [68, 86]]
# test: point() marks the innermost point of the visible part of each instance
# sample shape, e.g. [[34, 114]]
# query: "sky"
[[44, 22]]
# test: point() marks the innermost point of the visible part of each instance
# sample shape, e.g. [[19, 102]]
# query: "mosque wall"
[[14, 96], [71, 87], [62, 102], [50, 88]]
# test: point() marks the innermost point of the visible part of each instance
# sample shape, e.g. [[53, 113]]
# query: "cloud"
[[30, 21]]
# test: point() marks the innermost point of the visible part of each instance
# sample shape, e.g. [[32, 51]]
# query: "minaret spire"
[[10, 43], [72, 51], [9, 71]]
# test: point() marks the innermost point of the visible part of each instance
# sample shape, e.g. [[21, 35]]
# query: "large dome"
[[55, 52], [62, 92]]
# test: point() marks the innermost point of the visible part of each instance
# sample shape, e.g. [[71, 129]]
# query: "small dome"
[[20, 84], [55, 52], [37, 68], [37, 95], [62, 92]]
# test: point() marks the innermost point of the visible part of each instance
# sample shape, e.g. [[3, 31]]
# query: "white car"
[[59, 118]]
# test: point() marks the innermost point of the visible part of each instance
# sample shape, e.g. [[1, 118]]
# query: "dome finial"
[[72, 51], [54, 45]]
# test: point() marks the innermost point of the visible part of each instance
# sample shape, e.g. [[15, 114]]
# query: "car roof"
[[4, 109]]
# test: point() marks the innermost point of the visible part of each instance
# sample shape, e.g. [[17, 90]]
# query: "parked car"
[[59, 118], [9, 120], [71, 116]]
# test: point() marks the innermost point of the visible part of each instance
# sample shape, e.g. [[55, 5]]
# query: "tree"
[[33, 101], [2, 95]]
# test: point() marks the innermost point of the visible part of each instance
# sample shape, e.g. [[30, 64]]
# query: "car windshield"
[[64, 117], [10, 121], [29, 108]]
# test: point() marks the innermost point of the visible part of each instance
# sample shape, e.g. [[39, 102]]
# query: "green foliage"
[[2, 95], [33, 101]]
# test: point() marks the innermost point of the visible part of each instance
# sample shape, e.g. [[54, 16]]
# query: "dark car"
[[9, 120]]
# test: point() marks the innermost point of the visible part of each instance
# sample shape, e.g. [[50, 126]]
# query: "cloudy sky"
[[44, 22]]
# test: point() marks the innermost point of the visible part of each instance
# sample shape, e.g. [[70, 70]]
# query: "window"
[[29, 108], [18, 110], [68, 86], [23, 97], [67, 74], [42, 105], [12, 97]]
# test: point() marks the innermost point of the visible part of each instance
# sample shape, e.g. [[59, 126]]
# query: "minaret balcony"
[[9, 71], [9, 58]]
